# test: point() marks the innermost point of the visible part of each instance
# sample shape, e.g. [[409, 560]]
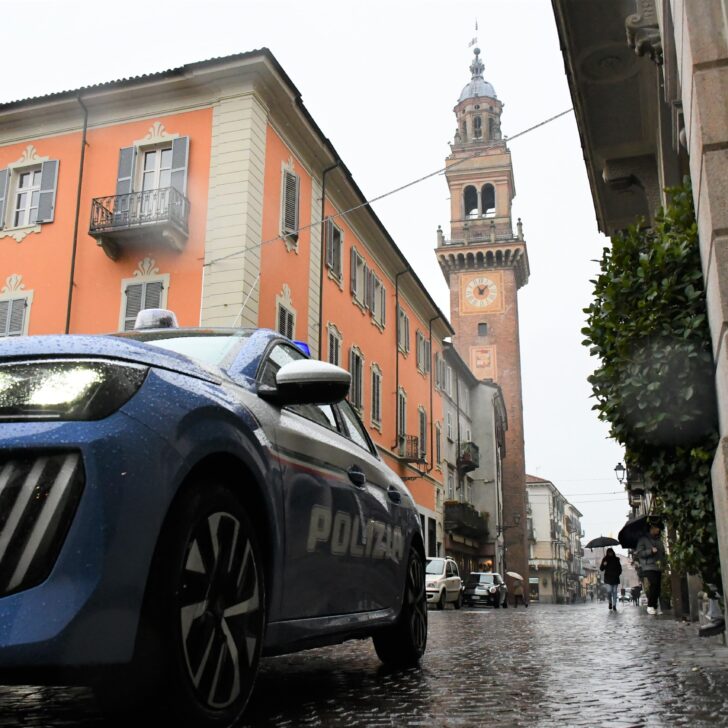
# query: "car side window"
[[355, 429], [278, 356], [450, 570]]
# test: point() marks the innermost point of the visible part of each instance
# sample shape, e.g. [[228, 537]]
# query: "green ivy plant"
[[647, 324]]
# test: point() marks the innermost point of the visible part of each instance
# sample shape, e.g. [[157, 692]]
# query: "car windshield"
[[435, 566], [480, 579], [209, 346]]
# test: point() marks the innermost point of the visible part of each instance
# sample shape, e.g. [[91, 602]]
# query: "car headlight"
[[433, 582], [66, 389], [492, 590]]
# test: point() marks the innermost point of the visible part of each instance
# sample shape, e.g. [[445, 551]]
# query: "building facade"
[[649, 80], [485, 264], [210, 190]]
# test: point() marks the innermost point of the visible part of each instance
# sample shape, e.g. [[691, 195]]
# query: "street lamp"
[[500, 528], [620, 471]]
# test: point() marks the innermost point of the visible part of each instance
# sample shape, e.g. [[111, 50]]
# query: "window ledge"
[[20, 233], [358, 304], [335, 278], [291, 241], [377, 426], [378, 324]]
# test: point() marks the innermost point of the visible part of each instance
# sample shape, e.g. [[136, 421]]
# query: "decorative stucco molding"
[[643, 31], [146, 268], [157, 134], [29, 157], [19, 234], [13, 284]]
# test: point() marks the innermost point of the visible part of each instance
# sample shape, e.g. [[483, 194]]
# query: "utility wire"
[[386, 194]]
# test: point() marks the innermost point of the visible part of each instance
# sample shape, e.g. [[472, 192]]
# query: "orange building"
[[209, 189]]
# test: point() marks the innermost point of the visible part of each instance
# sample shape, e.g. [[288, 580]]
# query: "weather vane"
[[475, 37]]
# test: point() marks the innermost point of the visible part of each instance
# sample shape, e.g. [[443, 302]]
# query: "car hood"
[[108, 347]]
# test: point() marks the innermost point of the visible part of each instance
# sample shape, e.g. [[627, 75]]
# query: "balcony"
[[463, 519], [469, 457], [409, 449], [152, 218]]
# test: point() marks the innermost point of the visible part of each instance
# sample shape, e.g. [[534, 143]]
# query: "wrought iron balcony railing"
[[152, 216], [462, 518], [409, 449], [469, 458]]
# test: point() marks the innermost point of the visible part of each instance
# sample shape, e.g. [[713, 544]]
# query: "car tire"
[[442, 600], [459, 601], [203, 622], [404, 643]]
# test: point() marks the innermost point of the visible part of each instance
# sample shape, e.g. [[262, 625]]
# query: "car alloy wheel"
[[404, 643]]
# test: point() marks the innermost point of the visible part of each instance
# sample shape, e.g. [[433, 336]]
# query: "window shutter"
[[153, 294], [289, 324], [367, 277], [290, 204], [406, 333], [47, 196], [329, 243], [180, 155], [16, 325], [3, 195], [134, 294], [383, 294], [352, 274], [4, 308], [428, 356], [125, 175]]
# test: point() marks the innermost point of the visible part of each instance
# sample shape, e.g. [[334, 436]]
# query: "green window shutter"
[[125, 176], [291, 185], [47, 196], [180, 157], [133, 304], [4, 177]]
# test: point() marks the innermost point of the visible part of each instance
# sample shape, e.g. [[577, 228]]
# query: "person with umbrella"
[[612, 568], [651, 553]]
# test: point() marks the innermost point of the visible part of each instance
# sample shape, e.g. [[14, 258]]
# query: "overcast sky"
[[381, 79]]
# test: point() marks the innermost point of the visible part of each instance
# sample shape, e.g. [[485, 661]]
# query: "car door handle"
[[394, 495], [357, 476]]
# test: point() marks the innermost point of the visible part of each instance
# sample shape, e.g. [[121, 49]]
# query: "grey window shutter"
[[367, 287], [290, 204], [47, 196], [4, 309], [16, 322], [125, 176], [180, 156], [329, 243], [4, 176], [153, 294], [289, 324], [354, 258], [406, 333], [133, 305], [383, 294]]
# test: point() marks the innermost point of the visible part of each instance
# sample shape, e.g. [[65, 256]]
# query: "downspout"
[[432, 423], [78, 212], [457, 450], [323, 258], [396, 360]]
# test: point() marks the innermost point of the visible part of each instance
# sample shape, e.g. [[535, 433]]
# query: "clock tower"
[[485, 264]]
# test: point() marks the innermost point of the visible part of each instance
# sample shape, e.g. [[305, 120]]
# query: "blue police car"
[[176, 502]]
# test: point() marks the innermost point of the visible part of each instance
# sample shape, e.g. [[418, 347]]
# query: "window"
[[423, 352], [334, 245], [359, 276], [448, 426], [438, 444], [468, 438], [376, 395], [440, 371], [356, 369], [470, 201], [401, 414], [487, 194], [465, 399], [477, 127], [139, 296], [422, 433], [402, 331], [354, 427], [290, 184], [376, 299], [335, 339], [157, 169], [13, 316], [450, 483], [448, 380], [279, 355], [286, 321], [28, 193], [482, 329]]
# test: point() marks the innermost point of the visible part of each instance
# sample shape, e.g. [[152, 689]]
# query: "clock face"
[[480, 292]]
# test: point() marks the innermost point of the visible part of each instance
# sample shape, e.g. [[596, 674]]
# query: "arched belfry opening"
[[470, 202], [487, 195]]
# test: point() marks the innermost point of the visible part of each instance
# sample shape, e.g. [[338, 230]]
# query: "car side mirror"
[[307, 381]]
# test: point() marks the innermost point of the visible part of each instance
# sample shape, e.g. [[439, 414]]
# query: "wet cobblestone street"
[[571, 665]]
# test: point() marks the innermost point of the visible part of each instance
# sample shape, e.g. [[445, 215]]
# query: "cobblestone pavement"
[[572, 665]]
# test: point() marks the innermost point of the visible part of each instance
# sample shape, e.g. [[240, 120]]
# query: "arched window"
[[491, 128], [487, 195], [464, 132], [470, 200], [477, 127]]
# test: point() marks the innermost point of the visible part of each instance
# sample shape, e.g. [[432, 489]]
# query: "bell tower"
[[485, 264]]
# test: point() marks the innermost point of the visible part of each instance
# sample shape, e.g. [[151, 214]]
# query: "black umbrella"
[[601, 542], [634, 529]]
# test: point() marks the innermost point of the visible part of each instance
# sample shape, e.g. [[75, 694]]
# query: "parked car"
[[175, 503], [485, 587], [443, 583]]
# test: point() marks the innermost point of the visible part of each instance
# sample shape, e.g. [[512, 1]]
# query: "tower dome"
[[478, 86]]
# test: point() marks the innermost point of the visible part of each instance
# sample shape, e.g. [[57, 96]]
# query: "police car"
[[176, 502]]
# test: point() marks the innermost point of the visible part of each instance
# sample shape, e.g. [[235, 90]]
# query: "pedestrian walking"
[[651, 553], [518, 595], [612, 568]]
